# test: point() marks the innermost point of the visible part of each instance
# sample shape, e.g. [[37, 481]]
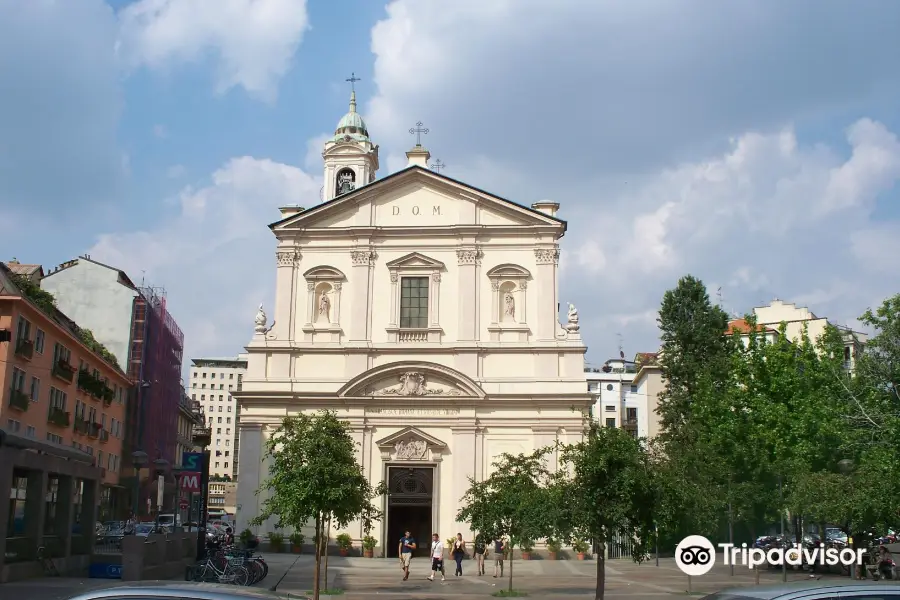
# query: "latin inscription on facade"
[[436, 412], [416, 210]]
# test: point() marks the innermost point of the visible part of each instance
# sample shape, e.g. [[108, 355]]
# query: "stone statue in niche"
[[413, 449], [510, 305], [324, 306]]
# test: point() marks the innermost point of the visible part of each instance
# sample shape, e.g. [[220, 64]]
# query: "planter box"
[[580, 556], [526, 555], [369, 553], [344, 551], [552, 556], [296, 549]]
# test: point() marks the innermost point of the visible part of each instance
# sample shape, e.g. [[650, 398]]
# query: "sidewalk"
[[363, 577]]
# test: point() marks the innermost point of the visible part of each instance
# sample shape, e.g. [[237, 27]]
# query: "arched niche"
[[323, 287], [345, 181], [509, 285]]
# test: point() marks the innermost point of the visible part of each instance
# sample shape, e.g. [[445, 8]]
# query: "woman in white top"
[[437, 557]]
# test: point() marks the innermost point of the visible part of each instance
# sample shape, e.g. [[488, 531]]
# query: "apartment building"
[[620, 400], [59, 386], [212, 380], [222, 496], [190, 417]]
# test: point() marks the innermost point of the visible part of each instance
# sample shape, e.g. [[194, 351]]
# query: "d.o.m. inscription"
[[435, 210]]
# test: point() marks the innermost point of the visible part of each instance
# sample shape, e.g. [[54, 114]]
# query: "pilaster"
[[547, 260], [468, 260], [249, 475], [464, 465], [360, 297], [285, 292], [62, 519]]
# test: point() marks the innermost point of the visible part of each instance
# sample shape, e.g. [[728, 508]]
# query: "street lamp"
[[138, 460]]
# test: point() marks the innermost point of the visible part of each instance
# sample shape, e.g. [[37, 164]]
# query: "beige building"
[[796, 317], [213, 381], [222, 497], [425, 312], [617, 398]]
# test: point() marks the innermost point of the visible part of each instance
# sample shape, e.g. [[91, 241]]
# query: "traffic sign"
[[189, 482], [192, 461]]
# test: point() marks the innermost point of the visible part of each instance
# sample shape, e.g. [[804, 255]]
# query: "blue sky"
[[751, 143]]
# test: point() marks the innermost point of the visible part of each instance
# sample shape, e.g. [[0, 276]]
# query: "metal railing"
[[19, 399]]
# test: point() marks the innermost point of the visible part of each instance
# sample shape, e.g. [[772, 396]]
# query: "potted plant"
[[297, 539], [276, 541], [345, 543], [553, 548], [368, 544], [580, 547], [527, 547]]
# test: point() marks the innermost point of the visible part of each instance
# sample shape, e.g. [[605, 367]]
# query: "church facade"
[[425, 312]]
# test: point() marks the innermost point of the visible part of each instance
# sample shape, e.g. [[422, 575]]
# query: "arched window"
[[345, 182]]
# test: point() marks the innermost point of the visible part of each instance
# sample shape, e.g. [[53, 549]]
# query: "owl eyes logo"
[[695, 555]]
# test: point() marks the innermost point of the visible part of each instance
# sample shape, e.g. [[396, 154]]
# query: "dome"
[[352, 124]]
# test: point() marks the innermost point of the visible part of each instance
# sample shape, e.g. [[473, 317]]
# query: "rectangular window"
[[220, 419], [13, 426], [228, 420], [631, 414], [610, 422], [414, 302], [57, 399], [18, 380], [609, 408], [39, 341], [23, 331], [634, 389], [29, 431], [227, 443], [61, 354], [230, 376], [229, 408]]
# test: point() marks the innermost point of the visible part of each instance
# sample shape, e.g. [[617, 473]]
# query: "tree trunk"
[[325, 548], [315, 590], [600, 552], [511, 550]]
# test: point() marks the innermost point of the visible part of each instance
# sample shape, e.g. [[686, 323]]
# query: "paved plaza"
[[363, 578]]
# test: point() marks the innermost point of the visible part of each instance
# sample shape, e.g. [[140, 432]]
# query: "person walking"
[[437, 557], [499, 548], [407, 545], [459, 552], [480, 548]]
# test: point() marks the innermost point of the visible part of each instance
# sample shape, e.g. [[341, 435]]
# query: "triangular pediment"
[[407, 435], [418, 197], [415, 260]]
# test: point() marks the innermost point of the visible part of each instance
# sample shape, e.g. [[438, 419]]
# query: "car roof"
[[201, 591], [803, 589]]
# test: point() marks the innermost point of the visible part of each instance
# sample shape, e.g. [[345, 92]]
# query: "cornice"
[[270, 347]]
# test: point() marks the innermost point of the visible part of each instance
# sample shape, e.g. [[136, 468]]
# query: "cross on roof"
[[418, 130], [437, 165], [353, 79]]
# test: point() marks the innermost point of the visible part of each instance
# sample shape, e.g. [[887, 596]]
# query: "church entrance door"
[[410, 502]]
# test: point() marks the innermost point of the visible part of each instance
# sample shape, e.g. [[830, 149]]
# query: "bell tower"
[[351, 159]]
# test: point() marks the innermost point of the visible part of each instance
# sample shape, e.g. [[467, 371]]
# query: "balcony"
[[24, 348], [94, 429], [630, 424], [58, 417], [104, 436], [81, 426], [18, 400], [64, 371], [202, 436], [107, 396], [412, 336]]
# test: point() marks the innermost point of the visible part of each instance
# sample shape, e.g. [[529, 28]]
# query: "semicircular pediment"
[[412, 379], [324, 272], [509, 270]]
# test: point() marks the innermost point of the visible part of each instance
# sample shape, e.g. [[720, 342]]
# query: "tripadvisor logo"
[[695, 555]]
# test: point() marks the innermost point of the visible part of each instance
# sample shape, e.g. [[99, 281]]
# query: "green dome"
[[352, 124]]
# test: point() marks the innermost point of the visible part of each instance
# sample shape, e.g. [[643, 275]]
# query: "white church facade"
[[425, 312]]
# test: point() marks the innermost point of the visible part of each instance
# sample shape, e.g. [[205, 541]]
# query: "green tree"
[[314, 475], [511, 503], [612, 490], [696, 360]]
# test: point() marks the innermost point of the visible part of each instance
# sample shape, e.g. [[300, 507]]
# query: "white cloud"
[[253, 40], [215, 256], [666, 136]]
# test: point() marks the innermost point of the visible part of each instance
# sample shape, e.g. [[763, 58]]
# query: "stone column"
[[285, 298], [6, 483], [310, 303], [250, 477], [495, 302], [63, 519], [467, 259], [463, 467], [363, 262], [90, 496], [35, 499], [395, 295], [547, 314]]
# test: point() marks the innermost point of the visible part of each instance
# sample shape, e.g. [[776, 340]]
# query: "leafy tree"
[[612, 489], [512, 503], [314, 475], [696, 360]]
